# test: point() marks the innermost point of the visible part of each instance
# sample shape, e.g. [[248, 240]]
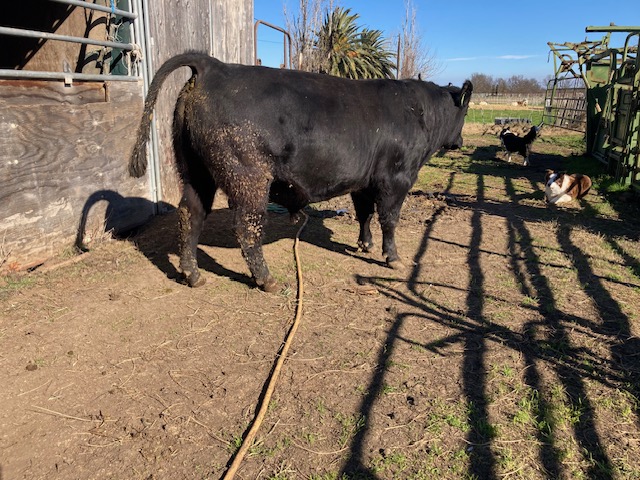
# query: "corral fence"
[[598, 85], [506, 108], [565, 104]]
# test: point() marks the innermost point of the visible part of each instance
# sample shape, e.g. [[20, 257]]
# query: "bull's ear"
[[465, 93]]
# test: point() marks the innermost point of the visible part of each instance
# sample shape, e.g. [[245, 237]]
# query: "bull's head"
[[461, 98]]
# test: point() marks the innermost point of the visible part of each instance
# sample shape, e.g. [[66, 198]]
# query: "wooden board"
[[63, 164], [184, 25]]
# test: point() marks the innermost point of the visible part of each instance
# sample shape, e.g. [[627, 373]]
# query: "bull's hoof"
[[198, 283], [364, 246], [396, 264], [270, 285], [193, 281]]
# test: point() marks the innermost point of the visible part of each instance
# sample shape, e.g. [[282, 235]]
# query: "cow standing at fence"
[[295, 137]]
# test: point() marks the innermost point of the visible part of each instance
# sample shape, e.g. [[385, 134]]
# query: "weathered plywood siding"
[[182, 25], [63, 159]]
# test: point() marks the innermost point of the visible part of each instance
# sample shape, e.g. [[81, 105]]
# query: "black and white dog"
[[562, 187], [512, 143]]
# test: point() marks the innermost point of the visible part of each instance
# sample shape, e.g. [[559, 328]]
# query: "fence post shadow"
[[558, 337]]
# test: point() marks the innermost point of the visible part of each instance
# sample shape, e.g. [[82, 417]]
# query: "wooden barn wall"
[[182, 25], [233, 31], [64, 149], [63, 153]]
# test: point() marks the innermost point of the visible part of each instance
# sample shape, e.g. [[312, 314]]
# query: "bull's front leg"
[[389, 214], [191, 216], [365, 207]]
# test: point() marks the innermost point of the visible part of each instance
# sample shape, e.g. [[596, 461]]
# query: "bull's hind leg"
[[365, 207], [197, 197], [191, 215], [249, 227], [248, 197]]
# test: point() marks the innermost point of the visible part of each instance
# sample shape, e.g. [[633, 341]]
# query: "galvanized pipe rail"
[[70, 76], [18, 32], [99, 8], [66, 76], [286, 34]]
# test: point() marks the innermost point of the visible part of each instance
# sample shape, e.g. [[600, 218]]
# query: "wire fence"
[[503, 116], [501, 109]]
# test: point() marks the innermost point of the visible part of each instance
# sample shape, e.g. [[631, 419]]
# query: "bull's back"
[[318, 134], [324, 135]]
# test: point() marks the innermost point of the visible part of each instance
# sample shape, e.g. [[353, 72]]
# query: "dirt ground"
[[507, 349]]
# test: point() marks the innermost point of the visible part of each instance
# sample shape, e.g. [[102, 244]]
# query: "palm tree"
[[346, 51]]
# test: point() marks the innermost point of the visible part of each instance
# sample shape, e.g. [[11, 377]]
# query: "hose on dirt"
[[275, 373]]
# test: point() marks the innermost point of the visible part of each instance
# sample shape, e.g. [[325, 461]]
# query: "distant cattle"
[[294, 137]]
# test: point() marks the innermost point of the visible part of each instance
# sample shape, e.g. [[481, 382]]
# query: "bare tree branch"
[[415, 57]]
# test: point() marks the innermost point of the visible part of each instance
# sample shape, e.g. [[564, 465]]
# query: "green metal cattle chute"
[[596, 89]]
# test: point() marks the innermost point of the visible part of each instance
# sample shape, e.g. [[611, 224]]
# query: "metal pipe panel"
[[7, 73], [17, 32], [99, 8]]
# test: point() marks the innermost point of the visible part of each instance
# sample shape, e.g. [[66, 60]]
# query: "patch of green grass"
[[321, 407], [481, 115], [572, 141], [388, 390], [311, 438], [10, 283], [506, 459], [506, 370], [392, 363], [393, 463], [361, 390], [260, 449], [418, 348], [456, 421], [351, 425], [235, 443]]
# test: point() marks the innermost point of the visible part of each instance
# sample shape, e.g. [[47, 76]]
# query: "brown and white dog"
[[562, 187]]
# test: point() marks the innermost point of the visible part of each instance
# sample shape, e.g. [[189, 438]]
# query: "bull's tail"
[[194, 60]]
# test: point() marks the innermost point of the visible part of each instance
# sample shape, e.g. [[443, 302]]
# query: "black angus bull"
[[294, 137]]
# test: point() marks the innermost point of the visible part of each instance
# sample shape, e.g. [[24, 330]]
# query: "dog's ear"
[[420, 76], [547, 175]]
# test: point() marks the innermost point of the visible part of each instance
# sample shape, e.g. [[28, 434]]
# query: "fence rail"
[[110, 44]]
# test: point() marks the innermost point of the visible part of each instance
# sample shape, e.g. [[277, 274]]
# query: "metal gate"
[[611, 77]]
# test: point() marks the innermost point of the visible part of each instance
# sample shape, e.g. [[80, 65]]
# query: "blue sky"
[[500, 39]]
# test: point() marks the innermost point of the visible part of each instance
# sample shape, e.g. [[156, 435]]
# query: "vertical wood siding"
[[178, 26]]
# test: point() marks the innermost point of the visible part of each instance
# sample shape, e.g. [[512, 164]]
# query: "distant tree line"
[[515, 84]]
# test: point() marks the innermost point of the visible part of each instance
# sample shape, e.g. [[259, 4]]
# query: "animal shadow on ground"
[[122, 215], [157, 236]]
